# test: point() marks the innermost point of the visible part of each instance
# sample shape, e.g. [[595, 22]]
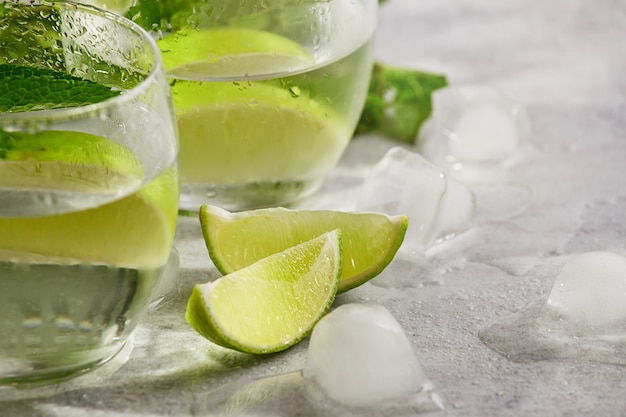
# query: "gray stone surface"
[[565, 61]]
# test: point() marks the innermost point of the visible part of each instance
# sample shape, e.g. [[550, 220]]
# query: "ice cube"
[[588, 296], [359, 355], [473, 124], [456, 209], [404, 182], [583, 317]]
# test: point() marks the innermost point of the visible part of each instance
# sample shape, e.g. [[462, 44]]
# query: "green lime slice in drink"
[[231, 52], [111, 214], [236, 240], [65, 160], [235, 130], [133, 232], [142, 222], [273, 303], [235, 133]]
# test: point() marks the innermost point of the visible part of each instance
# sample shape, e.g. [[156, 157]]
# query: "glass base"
[[33, 374], [247, 196], [51, 338]]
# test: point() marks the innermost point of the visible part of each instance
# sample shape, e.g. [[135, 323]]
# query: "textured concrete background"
[[565, 61]]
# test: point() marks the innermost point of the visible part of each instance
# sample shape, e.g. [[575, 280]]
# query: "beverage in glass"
[[88, 189], [267, 94]]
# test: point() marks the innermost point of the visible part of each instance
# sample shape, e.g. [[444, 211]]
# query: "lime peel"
[[369, 240], [229, 51], [81, 162], [272, 304]]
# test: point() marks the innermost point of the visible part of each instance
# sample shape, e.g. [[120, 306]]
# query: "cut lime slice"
[[236, 240], [81, 165], [232, 52], [134, 232], [273, 303], [232, 134], [68, 161], [228, 123]]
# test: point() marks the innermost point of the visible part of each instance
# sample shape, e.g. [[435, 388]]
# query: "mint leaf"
[[29, 89], [399, 101], [6, 143], [171, 15]]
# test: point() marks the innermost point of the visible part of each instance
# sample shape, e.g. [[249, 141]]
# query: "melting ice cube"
[[588, 295], [474, 124], [359, 355], [403, 182], [584, 316]]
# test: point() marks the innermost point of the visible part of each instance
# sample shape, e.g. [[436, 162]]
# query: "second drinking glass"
[[267, 94]]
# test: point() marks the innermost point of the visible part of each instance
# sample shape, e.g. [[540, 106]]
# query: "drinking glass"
[[88, 193], [267, 94]]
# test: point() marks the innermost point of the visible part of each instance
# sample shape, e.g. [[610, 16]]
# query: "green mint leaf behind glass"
[[399, 101], [30, 89]]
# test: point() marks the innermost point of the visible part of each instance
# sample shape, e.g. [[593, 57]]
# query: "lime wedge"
[[273, 303], [230, 52], [236, 240]]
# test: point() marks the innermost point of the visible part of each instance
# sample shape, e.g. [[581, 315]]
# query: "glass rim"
[[66, 113]]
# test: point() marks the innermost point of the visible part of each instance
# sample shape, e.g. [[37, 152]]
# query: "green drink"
[[88, 186], [266, 103], [74, 284]]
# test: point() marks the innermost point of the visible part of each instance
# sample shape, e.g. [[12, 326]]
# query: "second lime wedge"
[[273, 303], [236, 240]]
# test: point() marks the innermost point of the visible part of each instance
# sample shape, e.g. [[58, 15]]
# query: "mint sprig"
[[399, 101], [29, 89]]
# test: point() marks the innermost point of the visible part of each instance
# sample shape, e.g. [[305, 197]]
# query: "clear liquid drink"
[[88, 192], [266, 98]]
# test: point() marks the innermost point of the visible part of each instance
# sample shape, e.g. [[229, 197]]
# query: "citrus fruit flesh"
[[134, 230], [369, 240], [236, 134], [230, 52], [273, 303], [239, 121], [68, 161]]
